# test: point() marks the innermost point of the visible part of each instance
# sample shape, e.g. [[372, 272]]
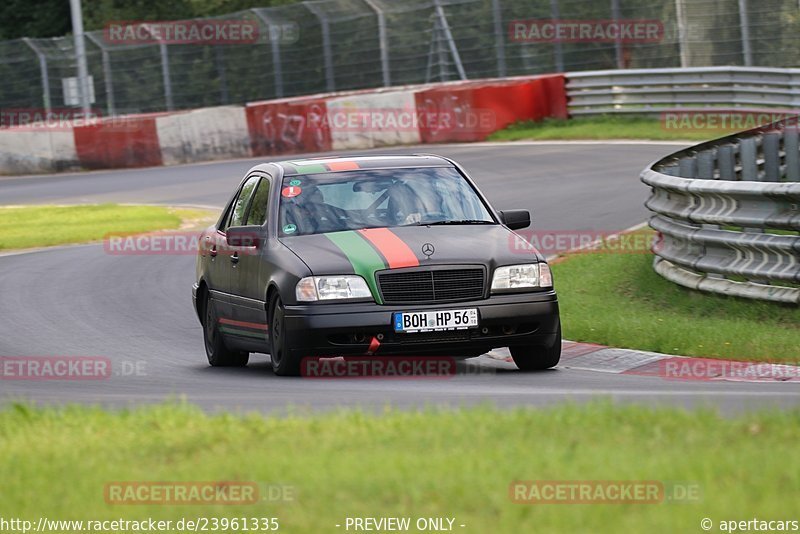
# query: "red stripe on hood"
[[394, 249]]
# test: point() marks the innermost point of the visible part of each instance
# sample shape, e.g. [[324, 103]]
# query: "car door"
[[221, 257], [248, 309]]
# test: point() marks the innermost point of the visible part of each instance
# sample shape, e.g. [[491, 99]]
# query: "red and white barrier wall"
[[451, 112]]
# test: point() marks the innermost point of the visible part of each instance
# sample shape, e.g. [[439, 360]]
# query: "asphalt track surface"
[[137, 312]]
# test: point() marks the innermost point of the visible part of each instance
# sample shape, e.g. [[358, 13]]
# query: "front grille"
[[433, 285]]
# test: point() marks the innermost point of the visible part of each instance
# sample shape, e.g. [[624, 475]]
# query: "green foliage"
[[431, 463], [41, 226], [618, 300]]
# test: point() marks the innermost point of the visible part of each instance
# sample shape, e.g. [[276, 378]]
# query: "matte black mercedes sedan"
[[373, 255]]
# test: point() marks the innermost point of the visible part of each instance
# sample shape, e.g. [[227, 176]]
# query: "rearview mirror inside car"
[[516, 219]]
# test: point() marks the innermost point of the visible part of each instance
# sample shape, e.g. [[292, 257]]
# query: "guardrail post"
[[726, 162], [705, 165], [770, 144], [791, 147], [748, 160], [687, 168]]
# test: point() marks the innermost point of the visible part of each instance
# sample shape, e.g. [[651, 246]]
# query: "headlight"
[[313, 288], [526, 276]]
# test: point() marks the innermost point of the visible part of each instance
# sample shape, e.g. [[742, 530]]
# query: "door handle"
[[235, 258], [213, 251]]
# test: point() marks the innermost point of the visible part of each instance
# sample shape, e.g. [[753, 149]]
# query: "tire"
[[538, 357], [218, 354], [283, 362]]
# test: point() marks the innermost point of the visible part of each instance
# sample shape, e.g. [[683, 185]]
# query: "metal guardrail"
[[728, 214], [657, 90]]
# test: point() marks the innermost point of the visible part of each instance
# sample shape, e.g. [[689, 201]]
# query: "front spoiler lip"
[[309, 328]]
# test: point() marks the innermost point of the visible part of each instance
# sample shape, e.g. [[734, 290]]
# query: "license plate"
[[431, 321]]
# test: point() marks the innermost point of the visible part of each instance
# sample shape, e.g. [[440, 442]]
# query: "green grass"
[[602, 127], [56, 463], [618, 300], [42, 226]]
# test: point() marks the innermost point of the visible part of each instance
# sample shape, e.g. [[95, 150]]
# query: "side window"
[[258, 208], [240, 204]]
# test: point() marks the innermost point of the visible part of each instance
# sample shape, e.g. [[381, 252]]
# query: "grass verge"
[[42, 226], [618, 300], [456, 464], [601, 128]]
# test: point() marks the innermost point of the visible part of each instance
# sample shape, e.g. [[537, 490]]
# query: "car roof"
[[327, 164]]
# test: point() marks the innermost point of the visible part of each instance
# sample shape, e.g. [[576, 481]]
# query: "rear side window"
[[258, 208]]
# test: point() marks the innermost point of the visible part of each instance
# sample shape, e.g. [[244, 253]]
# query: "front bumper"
[[349, 329]]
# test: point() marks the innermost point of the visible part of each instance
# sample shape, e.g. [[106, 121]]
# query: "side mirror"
[[516, 219], [244, 236]]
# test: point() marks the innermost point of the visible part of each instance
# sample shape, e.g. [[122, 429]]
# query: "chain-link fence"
[[331, 45]]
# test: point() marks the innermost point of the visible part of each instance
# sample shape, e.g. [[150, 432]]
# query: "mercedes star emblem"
[[428, 249]]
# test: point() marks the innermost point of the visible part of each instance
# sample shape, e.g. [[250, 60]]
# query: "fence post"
[[43, 71], [382, 40], [499, 38], [80, 55], [683, 35], [274, 43], [744, 25], [107, 79], [219, 59], [558, 51], [166, 77], [618, 52], [449, 36], [326, 45]]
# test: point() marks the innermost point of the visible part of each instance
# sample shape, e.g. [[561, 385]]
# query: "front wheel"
[[218, 354], [283, 362], [538, 357]]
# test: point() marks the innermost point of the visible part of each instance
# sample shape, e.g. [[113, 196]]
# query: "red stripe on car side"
[[394, 249], [255, 326]]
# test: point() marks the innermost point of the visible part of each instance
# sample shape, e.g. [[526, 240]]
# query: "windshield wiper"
[[456, 221]]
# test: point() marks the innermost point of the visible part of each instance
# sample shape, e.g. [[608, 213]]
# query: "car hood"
[[368, 251]]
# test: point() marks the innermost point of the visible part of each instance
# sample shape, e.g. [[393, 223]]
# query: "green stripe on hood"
[[364, 259]]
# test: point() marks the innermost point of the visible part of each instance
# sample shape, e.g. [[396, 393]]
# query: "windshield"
[[332, 202]]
